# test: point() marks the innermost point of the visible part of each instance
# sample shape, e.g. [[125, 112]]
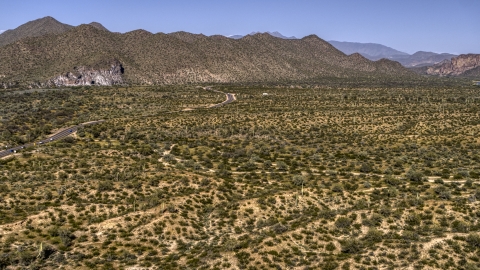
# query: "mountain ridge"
[[371, 51], [180, 58]]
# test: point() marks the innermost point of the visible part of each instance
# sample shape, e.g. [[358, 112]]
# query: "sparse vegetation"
[[321, 177]]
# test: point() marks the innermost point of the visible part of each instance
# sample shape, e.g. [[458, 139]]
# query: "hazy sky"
[[407, 25]]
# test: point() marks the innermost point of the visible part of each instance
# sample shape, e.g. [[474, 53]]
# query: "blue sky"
[[408, 25]]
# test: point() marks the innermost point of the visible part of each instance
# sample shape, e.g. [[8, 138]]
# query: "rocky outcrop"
[[457, 66], [91, 76]]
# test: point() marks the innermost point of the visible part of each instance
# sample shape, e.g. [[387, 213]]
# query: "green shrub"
[[352, 245], [473, 239], [343, 223]]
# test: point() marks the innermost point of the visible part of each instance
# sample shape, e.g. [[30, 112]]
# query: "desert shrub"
[[279, 228], [343, 223], [373, 236], [105, 186], [66, 236], [414, 176], [459, 226], [330, 246], [337, 188], [366, 167], [410, 235], [374, 220], [413, 219], [473, 239], [298, 180], [352, 245]]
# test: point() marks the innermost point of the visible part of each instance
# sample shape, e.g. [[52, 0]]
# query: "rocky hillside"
[[463, 65], [180, 57], [91, 76]]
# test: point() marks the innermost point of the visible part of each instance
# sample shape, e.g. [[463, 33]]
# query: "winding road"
[[230, 98], [59, 135]]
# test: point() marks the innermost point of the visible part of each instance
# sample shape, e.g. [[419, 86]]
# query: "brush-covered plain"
[[287, 178]]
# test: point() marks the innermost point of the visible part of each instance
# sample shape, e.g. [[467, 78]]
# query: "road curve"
[[59, 135], [229, 98]]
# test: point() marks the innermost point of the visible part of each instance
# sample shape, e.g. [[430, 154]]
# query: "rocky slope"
[[463, 65], [178, 58]]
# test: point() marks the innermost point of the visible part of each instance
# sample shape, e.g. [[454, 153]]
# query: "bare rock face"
[[91, 76], [455, 67]]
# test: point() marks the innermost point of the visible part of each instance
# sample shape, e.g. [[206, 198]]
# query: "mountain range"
[[374, 52], [88, 54], [45, 52], [368, 50]]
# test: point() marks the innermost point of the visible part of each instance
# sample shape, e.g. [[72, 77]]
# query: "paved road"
[[59, 135], [230, 98]]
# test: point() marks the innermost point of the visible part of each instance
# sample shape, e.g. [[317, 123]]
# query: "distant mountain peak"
[[356, 56], [273, 34], [312, 36], [277, 34], [235, 36], [140, 32], [39, 27], [98, 26], [46, 18]]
